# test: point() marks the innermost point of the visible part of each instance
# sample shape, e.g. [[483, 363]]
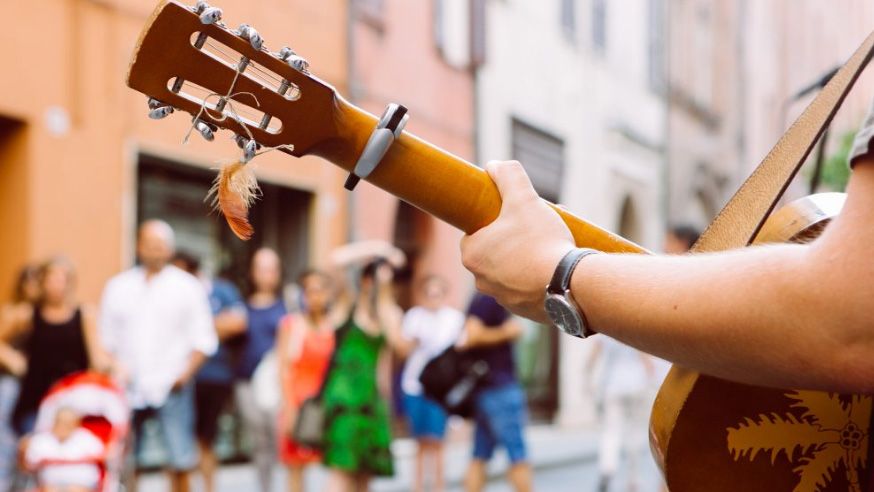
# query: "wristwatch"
[[559, 304]]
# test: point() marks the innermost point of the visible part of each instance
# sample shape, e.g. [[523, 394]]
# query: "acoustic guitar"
[[716, 435]]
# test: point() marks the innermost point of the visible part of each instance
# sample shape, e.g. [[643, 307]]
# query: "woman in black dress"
[[61, 339]]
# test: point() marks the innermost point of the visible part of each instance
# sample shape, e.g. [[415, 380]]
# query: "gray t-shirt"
[[863, 144]]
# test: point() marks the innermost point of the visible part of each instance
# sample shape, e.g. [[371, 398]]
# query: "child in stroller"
[[78, 442]]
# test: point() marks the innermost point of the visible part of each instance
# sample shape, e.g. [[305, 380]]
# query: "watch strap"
[[561, 279]]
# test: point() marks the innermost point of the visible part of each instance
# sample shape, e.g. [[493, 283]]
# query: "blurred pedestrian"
[[500, 409], [264, 310], [304, 346], [26, 292], [357, 435], [680, 239], [626, 378], [431, 327], [61, 338], [156, 320], [214, 382]]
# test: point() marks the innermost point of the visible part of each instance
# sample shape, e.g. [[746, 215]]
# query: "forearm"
[[229, 324], [479, 336], [195, 360], [759, 315]]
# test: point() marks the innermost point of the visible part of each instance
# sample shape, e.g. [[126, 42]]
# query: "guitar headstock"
[[188, 59]]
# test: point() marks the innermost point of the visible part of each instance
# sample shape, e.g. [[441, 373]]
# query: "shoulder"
[[88, 312], [122, 279], [451, 313], [19, 313], [226, 289], [413, 313]]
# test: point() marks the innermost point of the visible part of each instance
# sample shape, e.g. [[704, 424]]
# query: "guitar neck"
[[440, 183]]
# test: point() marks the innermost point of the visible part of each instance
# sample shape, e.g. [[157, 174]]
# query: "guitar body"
[[708, 434]]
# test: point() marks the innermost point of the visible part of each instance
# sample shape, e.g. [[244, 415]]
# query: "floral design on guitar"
[[830, 432]]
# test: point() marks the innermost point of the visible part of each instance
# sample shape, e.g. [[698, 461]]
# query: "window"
[[543, 157], [370, 11], [599, 25], [478, 32], [657, 63], [175, 192], [439, 27], [569, 17]]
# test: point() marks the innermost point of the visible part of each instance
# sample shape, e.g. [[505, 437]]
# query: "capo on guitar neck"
[[389, 128]]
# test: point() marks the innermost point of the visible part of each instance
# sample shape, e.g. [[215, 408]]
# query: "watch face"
[[563, 315]]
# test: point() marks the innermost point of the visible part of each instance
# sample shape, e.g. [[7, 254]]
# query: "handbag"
[[452, 379], [309, 426]]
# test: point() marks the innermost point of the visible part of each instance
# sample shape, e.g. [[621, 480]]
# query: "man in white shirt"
[[156, 321], [431, 327]]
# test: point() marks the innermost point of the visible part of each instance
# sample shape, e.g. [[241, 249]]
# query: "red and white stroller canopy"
[[88, 394]]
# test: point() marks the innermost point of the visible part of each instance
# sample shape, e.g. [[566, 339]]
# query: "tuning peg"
[[249, 146], [298, 63], [200, 6], [249, 150], [210, 15], [160, 112], [205, 130], [155, 104], [285, 53], [248, 32]]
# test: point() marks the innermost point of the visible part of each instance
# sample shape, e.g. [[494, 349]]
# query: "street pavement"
[[563, 460]]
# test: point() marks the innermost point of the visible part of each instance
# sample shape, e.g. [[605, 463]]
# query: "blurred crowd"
[[311, 380]]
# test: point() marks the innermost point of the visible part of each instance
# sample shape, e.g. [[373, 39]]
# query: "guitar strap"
[[742, 217]]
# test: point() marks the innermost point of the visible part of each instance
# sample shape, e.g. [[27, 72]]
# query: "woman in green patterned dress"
[[357, 431]]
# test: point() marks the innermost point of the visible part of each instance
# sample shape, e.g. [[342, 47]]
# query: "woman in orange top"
[[304, 346]]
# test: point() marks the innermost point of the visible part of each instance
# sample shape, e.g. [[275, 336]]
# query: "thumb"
[[512, 181]]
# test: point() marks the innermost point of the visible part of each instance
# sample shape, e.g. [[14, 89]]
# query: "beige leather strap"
[[742, 217]]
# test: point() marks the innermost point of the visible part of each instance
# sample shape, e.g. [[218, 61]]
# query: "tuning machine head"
[[250, 147], [249, 33], [208, 15], [294, 60], [158, 109], [206, 130]]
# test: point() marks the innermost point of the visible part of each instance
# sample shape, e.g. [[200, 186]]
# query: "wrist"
[[562, 307]]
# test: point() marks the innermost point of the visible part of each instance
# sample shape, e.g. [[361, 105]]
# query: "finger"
[[512, 182]]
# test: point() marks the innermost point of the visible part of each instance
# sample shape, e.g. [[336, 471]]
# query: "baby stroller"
[[105, 413]]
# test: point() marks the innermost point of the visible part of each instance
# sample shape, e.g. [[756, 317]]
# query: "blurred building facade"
[[573, 90], [737, 70], [415, 54], [81, 164]]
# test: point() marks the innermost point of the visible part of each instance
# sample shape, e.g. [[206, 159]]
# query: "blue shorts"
[[501, 415], [427, 418], [176, 422]]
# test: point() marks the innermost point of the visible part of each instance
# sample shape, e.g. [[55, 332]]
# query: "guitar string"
[[233, 114], [231, 59]]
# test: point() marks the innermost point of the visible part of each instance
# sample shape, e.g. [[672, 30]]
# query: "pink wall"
[[396, 59]]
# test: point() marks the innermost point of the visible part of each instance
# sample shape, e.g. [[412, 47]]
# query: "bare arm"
[[229, 323], [787, 315], [98, 358], [478, 335], [14, 320], [351, 254], [284, 358], [195, 360]]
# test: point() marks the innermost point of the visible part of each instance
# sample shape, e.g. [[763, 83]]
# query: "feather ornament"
[[234, 190]]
